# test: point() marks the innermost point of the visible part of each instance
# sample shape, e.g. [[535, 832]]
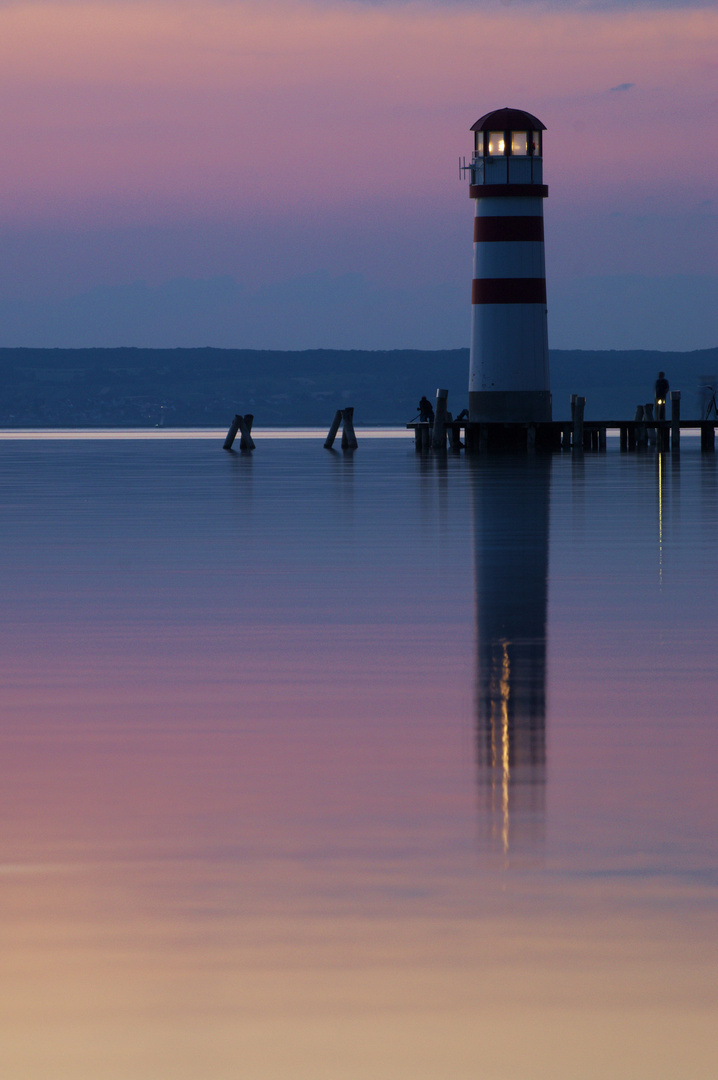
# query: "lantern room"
[[508, 148]]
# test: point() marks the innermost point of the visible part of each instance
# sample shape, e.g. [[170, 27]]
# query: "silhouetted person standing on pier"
[[426, 411], [661, 395]]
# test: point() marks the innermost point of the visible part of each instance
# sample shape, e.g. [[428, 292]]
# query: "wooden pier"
[[474, 438]]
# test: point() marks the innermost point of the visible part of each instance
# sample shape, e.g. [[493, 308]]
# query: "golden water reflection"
[[511, 549]]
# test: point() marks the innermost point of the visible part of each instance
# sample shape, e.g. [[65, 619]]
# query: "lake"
[[370, 766]]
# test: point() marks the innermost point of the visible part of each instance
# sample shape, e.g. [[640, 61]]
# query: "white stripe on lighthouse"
[[509, 260]]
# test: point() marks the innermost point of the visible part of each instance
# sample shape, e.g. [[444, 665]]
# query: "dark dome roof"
[[508, 120]]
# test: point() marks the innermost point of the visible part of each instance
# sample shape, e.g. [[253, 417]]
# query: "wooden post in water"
[[452, 433], [578, 404], [641, 430], [246, 441], [623, 436], [438, 438], [232, 433], [708, 437], [329, 441], [650, 432], [454, 430], [675, 419], [349, 439], [602, 437], [245, 430], [425, 436]]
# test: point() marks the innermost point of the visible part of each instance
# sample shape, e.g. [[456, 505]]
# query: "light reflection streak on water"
[[505, 771], [660, 520], [501, 696], [504, 691]]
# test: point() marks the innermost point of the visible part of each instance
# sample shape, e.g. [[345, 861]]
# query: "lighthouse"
[[509, 370]]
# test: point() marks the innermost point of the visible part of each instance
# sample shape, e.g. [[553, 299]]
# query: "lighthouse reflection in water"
[[511, 541]]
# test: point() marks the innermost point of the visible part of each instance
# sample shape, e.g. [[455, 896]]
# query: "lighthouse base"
[[499, 406]]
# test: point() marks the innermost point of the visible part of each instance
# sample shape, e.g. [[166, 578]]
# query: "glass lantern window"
[[535, 142], [519, 143], [497, 145], [480, 143]]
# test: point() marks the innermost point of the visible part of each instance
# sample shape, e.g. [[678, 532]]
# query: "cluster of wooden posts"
[[243, 425], [433, 436], [646, 430], [343, 418], [643, 432]]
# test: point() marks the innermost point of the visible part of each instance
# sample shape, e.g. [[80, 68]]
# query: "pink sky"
[[324, 138]]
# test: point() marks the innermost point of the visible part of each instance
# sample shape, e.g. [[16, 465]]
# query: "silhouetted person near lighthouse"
[[426, 411]]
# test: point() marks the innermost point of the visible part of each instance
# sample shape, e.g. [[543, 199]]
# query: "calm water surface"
[[335, 767]]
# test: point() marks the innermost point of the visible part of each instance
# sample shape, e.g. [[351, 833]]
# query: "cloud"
[[622, 86]]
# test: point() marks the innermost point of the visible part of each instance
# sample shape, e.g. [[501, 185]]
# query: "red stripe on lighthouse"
[[495, 229], [508, 291]]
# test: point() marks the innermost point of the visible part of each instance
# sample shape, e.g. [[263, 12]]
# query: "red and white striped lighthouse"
[[509, 372]]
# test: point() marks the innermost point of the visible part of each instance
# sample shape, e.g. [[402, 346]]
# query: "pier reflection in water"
[[511, 499]]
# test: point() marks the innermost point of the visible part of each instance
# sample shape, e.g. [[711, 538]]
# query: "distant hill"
[[205, 387]]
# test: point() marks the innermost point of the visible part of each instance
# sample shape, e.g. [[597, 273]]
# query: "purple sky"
[[283, 174]]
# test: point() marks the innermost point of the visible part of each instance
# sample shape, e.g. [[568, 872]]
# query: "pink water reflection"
[[244, 819]]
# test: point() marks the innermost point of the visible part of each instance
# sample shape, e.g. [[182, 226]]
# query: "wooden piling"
[[623, 437], [349, 439], [602, 437], [438, 437], [650, 431], [245, 430], [246, 441], [675, 420], [331, 436], [232, 433], [578, 405], [708, 437], [641, 429]]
